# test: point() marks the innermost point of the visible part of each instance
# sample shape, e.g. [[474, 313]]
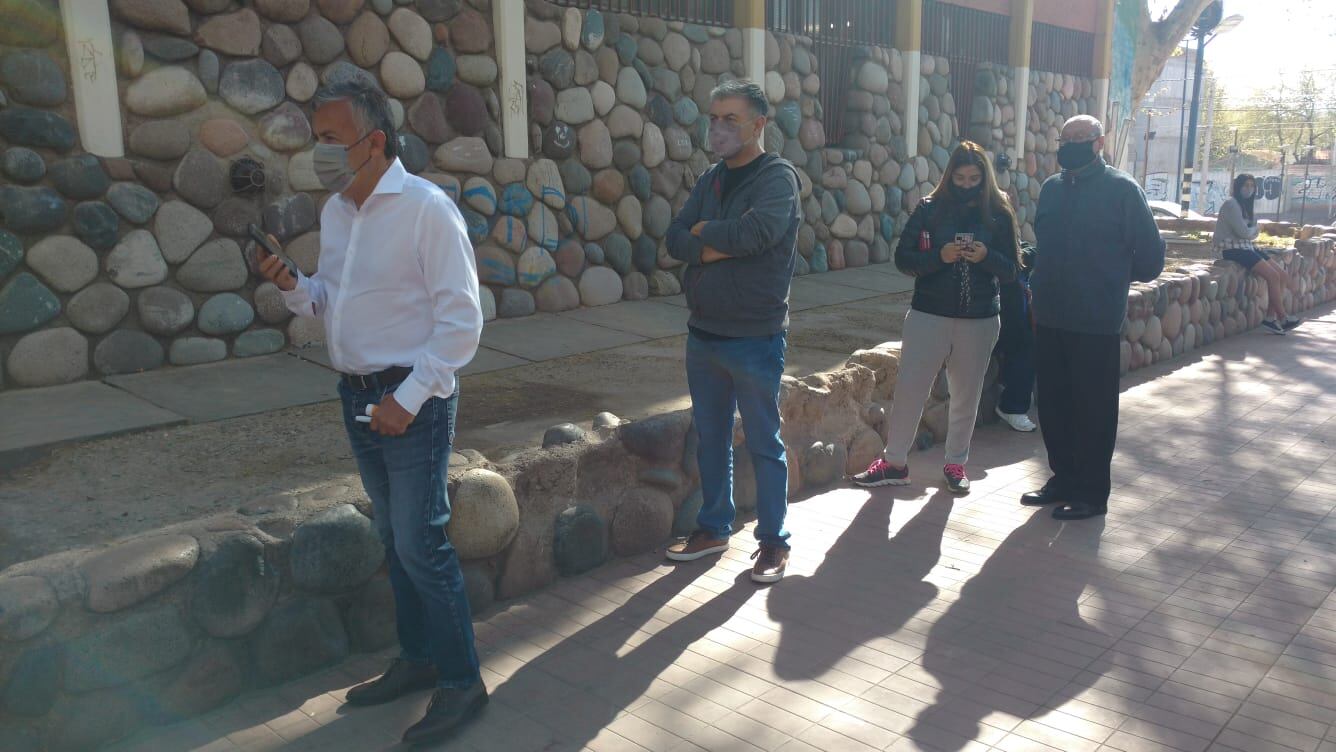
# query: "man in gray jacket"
[[1096, 234], [737, 234]]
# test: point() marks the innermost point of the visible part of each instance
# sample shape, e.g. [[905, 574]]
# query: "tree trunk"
[[1157, 40]]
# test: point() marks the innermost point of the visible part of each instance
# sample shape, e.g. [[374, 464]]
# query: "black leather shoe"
[[1079, 511], [399, 679], [449, 709], [1041, 498]]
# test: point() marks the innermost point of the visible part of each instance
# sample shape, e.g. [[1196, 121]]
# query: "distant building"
[[1157, 161]]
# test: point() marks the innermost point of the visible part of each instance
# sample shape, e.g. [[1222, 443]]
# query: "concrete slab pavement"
[[40, 417], [232, 388], [1199, 616]]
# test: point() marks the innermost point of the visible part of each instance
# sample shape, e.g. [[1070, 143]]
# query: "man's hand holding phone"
[[268, 262]]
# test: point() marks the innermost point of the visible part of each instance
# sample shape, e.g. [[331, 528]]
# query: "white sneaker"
[[1018, 422]]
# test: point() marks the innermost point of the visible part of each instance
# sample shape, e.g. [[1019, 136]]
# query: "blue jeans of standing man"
[[742, 374], [405, 478]]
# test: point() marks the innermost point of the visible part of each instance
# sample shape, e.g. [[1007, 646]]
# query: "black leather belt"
[[390, 377]]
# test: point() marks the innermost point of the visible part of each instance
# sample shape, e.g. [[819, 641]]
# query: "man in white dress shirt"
[[397, 290]]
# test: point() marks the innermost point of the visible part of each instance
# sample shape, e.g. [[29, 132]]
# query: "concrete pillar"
[[1102, 65], [97, 105], [749, 16], [909, 40], [1022, 30], [508, 23]]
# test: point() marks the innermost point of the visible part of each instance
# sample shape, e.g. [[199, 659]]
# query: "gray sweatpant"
[[965, 347]]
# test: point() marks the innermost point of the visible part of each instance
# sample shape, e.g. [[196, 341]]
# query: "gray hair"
[[371, 108], [743, 89]]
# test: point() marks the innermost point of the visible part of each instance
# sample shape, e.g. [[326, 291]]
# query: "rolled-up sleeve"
[[307, 298], [451, 277]]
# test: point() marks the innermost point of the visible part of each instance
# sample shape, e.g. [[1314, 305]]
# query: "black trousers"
[[1078, 410]]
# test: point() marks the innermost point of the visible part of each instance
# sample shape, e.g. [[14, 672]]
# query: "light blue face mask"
[[331, 165]]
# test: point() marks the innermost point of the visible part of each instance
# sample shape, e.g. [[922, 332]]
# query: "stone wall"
[[96, 642], [938, 128], [1197, 304], [1054, 97], [112, 266], [856, 206]]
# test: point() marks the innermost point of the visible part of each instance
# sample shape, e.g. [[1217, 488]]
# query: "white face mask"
[[331, 165]]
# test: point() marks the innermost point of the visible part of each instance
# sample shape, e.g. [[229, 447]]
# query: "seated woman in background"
[[1235, 231]]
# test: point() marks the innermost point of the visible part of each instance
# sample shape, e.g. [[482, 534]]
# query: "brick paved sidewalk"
[[1198, 616]]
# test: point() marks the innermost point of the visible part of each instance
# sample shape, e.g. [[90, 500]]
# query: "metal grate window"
[[850, 22], [704, 12], [966, 37], [1059, 50], [835, 27]]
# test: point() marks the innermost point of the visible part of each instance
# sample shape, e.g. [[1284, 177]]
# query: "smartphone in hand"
[[964, 238], [264, 248]]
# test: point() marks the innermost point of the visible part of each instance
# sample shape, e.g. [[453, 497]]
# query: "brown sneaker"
[[770, 563], [696, 546]]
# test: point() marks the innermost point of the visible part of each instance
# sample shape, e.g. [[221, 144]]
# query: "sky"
[[1277, 38]]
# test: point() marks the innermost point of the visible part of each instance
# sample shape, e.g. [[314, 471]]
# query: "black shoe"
[[399, 679], [1079, 510], [1041, 498], [449, 709]]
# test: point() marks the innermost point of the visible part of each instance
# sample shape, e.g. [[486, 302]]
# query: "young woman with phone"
[[959, 243]]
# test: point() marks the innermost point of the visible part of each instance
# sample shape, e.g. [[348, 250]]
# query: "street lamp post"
[[1234, 159], [1208, 23], [1303, 197]]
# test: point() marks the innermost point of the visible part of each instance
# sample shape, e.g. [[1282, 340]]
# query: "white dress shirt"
[[396, 285]]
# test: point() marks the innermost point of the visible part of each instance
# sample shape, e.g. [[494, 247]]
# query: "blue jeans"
[[1015, 349], [744, 374], [405, 478]]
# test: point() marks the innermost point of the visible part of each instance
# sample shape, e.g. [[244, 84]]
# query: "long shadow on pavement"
[[867, 587], [996, 649]]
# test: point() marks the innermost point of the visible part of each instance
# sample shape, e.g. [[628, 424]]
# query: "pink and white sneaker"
[[956, 480], [882, 473]]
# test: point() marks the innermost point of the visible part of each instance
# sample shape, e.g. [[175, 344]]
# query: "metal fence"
[[848, 22], [966, 37], [1059, 50], [704, 12], [836, 27]]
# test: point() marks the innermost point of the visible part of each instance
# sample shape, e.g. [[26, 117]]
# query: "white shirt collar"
[[390, 183]]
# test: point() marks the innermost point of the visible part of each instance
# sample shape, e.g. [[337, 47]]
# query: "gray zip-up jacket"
[[1096, 234], [746, 295]]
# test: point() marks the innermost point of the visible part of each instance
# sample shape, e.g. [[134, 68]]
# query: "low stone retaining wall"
[[1198, 304], [96, 642]]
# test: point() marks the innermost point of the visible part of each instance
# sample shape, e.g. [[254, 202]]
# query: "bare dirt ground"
[[99, 491]]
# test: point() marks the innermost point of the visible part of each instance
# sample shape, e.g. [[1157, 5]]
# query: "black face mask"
[[1074, 156], [965, 195]]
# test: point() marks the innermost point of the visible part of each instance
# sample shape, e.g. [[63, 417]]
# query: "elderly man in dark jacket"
[[1096, 235]]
